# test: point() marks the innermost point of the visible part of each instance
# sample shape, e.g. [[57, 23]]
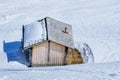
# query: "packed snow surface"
[[105, 71]]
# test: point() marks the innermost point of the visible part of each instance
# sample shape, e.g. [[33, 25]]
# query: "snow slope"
[[95, 22], [106, 71]]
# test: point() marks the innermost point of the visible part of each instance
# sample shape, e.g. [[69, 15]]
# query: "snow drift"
[[85, 51]]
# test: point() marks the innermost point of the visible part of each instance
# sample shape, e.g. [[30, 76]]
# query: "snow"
[[95, 22], [13, 65], [3, 58], [31, 32], [85, 52], [106, 71]]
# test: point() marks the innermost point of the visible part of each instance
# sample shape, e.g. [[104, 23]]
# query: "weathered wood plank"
[[40, 54], [60, 32], [57, 54]]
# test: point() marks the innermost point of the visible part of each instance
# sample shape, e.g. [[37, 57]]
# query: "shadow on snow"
[[14, 52]]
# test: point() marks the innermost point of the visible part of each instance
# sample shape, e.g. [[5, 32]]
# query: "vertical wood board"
[[56, 32], [40, 54], [48, 53], [57, 54]]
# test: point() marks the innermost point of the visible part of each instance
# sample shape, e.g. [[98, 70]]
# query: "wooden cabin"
[[50, 42]]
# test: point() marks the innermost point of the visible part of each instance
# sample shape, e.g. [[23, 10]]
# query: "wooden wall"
[[57, 54], [56, 32], [48, 53], [40, 54]]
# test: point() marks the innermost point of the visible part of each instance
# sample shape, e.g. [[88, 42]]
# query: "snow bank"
[[85, 51]]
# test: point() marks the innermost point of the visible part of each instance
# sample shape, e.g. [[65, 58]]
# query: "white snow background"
[[95, 22]]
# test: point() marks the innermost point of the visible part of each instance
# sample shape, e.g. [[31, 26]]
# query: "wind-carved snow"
[[85, 51]]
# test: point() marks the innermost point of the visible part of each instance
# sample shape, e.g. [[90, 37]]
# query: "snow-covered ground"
[[104, 71], [95, 22]]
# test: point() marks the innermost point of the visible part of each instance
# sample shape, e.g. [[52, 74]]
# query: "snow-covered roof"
[[48, 29], [34, 33]]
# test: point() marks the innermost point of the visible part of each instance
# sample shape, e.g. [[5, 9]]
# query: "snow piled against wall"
[[86, 52]]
